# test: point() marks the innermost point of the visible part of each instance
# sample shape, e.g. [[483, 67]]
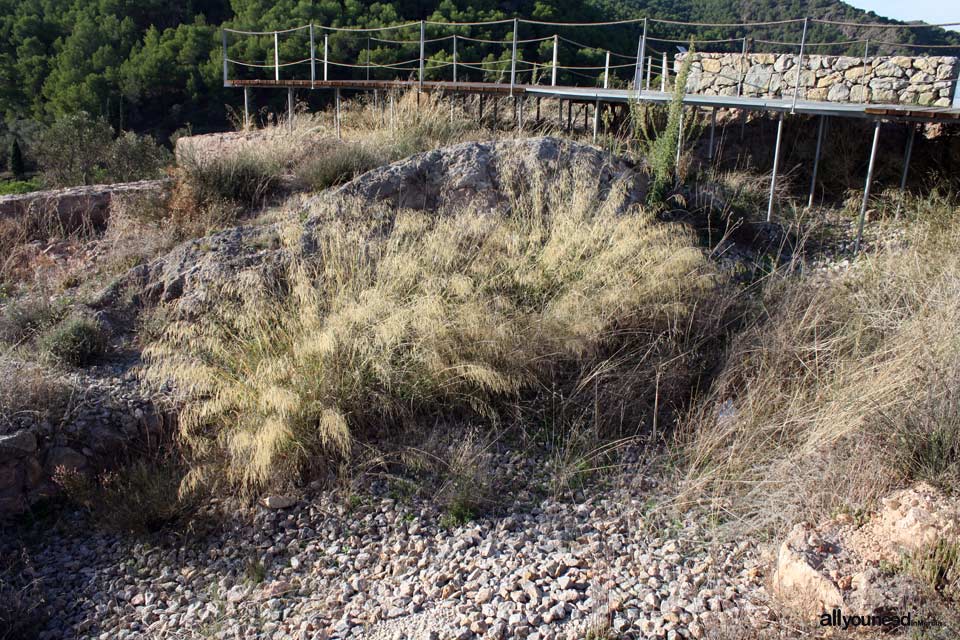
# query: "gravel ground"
[[378, 568]]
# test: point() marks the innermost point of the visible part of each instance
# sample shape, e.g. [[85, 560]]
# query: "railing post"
[[866, 187], [663, 76], [423, 31], [743, 62], [641, 50], [649, 71], [606, 73], [276, 56], [313, 59], [866, 48], [556, 46], [226, 83], [326, 55], [368, 57], [803, 43], [454, 57], [513, 57], [246, 108]]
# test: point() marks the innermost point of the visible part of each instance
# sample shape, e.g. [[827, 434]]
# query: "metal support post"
[[906, 167], [290, 108], [866, 187], [606, 72], [649, 71], [337, 100], [326, 52], [596, 119], [454, 57], [713, 132], [246, 107], [816, 161], [553, 74], [513, 57], [866, 48], [776, 163], [803, 42]]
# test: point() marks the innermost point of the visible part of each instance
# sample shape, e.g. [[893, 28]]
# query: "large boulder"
[[468, 174], [477, 173]]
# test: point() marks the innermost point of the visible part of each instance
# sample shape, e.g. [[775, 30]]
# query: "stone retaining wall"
[[927, 81]]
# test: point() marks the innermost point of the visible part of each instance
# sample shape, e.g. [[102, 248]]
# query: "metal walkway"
[[905, 113]]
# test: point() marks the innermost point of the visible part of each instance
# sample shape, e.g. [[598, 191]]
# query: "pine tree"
[[16, 159]]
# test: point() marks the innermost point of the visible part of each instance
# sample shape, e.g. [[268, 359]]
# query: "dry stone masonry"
[[925, 81]]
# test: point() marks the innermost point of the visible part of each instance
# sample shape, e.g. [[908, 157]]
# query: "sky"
[[933, 11]]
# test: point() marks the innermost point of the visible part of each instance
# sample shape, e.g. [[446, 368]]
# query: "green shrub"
[[659, 148], [78, 149], [76, 341], [16, 187]]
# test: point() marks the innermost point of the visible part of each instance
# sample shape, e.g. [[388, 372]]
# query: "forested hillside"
[[154, 66]]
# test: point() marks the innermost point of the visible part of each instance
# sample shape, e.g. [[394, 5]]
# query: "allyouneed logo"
[[836, 618]]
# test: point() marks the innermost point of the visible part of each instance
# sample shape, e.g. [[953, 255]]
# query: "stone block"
[[853, 73], [838, 93], [711, 65], [859, 93]]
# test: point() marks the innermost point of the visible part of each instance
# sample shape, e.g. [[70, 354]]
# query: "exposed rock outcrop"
[[839, 564], [474, 173], [77, 206]]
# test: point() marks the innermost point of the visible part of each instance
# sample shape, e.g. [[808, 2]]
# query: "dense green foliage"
[[77, 149], [155, 66]]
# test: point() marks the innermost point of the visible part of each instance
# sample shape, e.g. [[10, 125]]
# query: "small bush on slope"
[[843, 389], [405, 315]]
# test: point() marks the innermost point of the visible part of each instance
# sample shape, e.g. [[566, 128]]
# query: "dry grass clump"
[[29, 391], [404, 316], [844, 388], [378, 134]]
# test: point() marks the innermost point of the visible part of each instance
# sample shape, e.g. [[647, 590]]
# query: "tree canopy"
[[155, 66]]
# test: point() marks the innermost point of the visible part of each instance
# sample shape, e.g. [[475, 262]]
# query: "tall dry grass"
[[843, 388], [460, 316]]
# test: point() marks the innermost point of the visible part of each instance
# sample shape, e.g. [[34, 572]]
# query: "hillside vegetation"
[[148, 67]]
